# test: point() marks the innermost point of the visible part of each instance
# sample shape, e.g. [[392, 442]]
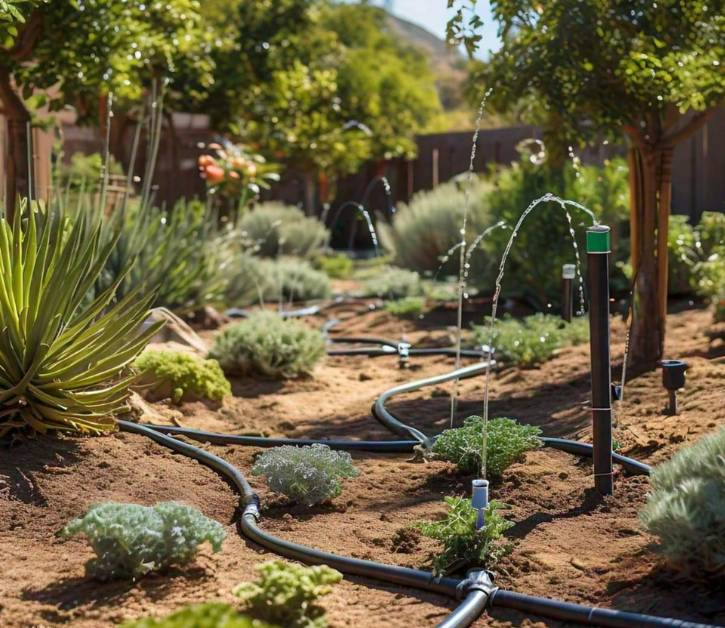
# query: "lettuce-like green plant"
[[181, 375], [206, 615], [506, 443], [406, 307], [686, 508], [131, 541], [64, 359], [464, 547], [267, 345], [286, 594], [308, 475]]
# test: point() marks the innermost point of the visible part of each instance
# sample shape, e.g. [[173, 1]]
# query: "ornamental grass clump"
[[506, 443], [464, 547], [269, 346], [180, 375], [308, 475], [131, 541], [64, 358], [286, 593], [686, 508]]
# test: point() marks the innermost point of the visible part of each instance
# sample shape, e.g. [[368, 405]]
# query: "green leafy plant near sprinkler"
[[406, 307], [686, 508], [532, 340], [392, 283], [267, 345], [464, 547], [338, 266], [506, 443], [64, 359], [131, 541], [207, 615], [180, 375], [309, 475]]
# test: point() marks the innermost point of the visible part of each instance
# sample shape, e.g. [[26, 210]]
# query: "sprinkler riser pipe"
[[479, 501], [598, 276], [567, 300]]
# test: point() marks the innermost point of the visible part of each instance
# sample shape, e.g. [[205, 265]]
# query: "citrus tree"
[[67, 52], [649, 70]]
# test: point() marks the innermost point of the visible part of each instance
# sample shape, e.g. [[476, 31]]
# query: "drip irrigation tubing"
[[477, 591]]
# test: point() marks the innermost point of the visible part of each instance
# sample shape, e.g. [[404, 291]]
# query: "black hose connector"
[[476, 591]]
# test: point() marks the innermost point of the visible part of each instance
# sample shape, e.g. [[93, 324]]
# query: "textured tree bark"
[[17, 115]]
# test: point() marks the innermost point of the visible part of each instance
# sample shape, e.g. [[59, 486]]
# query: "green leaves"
[[131, 541], [286, 593], [464, 547], [64, 360]]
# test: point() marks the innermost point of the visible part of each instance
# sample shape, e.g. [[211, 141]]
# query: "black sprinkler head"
[[673, 374]]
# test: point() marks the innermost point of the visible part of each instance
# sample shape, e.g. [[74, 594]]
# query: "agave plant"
[[64, 357]]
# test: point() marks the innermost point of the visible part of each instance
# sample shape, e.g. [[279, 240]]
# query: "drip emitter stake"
[[479, 489], [598, 275], [568, 272]]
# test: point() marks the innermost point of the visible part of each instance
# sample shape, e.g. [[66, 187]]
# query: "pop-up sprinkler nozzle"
[[673, 378], [403, 355], [479, 490]]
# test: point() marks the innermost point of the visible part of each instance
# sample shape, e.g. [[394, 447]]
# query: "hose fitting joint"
[[477, 580]]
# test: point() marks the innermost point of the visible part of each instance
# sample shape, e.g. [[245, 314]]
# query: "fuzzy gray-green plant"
[[286, 593], [506, 443], [464, 547], [530, 341], [686, 508], [274, 229], [131, 541], [424, 230], [269, 346], [293, 279], [406, 307], [392, 283], [337, 266], [181, 375], [308, 475]]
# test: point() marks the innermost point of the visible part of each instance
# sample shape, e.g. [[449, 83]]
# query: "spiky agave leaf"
[[64, 360]]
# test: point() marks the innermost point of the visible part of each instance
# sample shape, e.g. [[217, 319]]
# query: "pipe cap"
[[598, 239]]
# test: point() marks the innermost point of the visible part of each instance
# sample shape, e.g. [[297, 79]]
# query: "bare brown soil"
[[568, 544]]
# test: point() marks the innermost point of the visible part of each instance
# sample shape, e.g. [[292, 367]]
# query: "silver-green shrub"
[[206, 615], [293, 279], [393, 283], [274, 229], [308, 475], [686, 508], [131, 541], [506, 443], [425, 230], [286, 593], [269, 346]]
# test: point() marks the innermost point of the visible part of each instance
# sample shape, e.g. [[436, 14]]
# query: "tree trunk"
[[16, 174], [650, 216]]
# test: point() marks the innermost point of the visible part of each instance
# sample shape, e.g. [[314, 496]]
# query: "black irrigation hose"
[[477, 597]]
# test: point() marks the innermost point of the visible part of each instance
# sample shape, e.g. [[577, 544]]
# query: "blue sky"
[[433, 15]]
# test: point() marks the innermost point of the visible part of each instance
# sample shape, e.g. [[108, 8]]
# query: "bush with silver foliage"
[[308, 475]]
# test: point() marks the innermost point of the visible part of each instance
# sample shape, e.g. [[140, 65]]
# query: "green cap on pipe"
[[598, 239]]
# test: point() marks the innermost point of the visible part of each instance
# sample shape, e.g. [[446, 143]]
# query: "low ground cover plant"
[[267, 345], [308, 475], [274, 229], [206, 615], [131, 541], [64, 358], [406, 307], [530, 341], [180, 375], [292, 279], [393, 283], [462, 546], [686, 508], [286, 593], [506, 443], [338, 266]]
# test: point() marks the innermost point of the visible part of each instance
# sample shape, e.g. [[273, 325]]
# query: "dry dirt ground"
[[568, 545]]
